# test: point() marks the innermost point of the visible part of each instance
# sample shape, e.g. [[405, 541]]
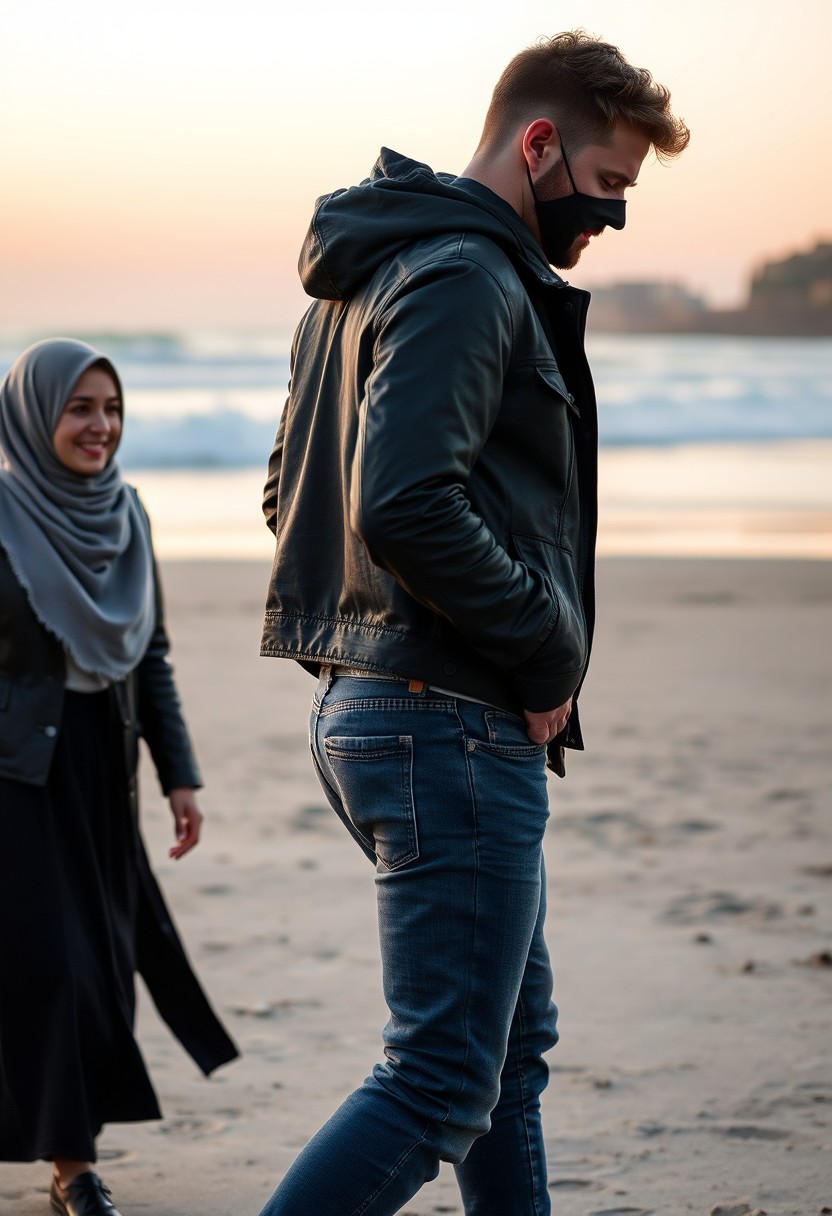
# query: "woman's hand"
[[187, 818]]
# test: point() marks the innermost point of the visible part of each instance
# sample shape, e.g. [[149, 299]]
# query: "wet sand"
[[766, 499], [690, 884]]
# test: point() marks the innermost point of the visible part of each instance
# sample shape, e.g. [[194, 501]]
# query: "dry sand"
[[690, 873]]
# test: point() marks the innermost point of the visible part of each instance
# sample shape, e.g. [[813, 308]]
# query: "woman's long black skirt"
[[69, 1062]]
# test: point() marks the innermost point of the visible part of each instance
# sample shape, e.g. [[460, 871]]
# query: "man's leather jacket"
[[432, 488]]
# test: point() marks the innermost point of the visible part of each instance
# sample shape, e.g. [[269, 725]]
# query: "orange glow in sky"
[[160, 161]]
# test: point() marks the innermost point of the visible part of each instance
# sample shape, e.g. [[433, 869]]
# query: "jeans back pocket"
[[374, 778]]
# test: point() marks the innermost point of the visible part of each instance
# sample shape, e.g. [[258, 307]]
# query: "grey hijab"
[[79, 546]]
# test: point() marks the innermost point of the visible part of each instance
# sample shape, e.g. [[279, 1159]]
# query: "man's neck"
[[501, 174]]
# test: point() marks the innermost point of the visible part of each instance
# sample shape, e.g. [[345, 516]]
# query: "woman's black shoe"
[[86, 1195]]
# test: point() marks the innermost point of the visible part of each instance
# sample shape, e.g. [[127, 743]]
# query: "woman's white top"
[[78, 680]]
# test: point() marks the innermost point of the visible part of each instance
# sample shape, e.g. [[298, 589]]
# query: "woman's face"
[[89, 427]]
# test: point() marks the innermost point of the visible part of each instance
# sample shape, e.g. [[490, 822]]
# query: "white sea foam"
[[214, 400]]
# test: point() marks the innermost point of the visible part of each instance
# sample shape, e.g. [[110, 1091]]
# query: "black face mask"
[[562, 220]]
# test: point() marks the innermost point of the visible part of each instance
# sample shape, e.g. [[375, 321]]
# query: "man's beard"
[[556, 184], [572, 256], [565, 220]]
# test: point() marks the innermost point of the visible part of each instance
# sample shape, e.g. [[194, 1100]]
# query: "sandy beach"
[[690, 873]]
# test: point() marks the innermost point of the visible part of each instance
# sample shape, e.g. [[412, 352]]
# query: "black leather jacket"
[[432, 488], [32, 672]]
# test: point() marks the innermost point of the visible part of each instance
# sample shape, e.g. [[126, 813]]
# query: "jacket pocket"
[[552, 378], [374, 776], [542, 415], [557, 565]]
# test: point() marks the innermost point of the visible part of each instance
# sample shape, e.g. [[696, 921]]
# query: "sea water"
[[697, 432]]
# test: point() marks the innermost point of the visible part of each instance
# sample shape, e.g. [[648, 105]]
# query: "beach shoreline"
[[763, 500], [689, 861]]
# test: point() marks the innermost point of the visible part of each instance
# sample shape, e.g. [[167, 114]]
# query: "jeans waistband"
[[361, 673], [416, 686]]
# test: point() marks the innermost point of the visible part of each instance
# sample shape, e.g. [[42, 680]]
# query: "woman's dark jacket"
[[432, 488], [32, 673]]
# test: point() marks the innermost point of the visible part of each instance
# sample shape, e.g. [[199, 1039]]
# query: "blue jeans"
[[448, 798]]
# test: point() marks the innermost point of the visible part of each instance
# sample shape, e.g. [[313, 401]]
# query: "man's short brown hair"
[[586, 87]]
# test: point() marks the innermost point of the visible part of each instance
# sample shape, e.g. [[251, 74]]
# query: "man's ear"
[[541, 146]]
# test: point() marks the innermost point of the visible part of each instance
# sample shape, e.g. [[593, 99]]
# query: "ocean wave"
[[226, 439], [231, 439], [203, 401]]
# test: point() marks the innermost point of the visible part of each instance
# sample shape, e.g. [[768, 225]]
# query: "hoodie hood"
[[354, 231]]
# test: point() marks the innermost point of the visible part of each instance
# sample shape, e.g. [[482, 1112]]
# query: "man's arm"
[[271, 490], [272, 486], [442, 352]]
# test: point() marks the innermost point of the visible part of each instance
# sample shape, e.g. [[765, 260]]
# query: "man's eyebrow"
[[619, 178]]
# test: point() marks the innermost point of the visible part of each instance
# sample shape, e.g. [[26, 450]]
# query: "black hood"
[[354, 231]]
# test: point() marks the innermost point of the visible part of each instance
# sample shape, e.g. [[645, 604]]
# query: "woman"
[[83, 673]]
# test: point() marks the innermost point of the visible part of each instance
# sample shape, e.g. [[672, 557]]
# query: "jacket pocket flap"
[[552, 377]]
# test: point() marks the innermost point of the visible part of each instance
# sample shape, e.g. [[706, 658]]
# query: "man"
[[432, 493]]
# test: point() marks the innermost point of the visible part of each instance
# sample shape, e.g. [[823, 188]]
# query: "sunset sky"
[[160, 160]]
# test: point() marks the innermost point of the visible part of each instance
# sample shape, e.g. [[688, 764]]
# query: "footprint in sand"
[[824, 871], [116, 1154], [750, 1131], [772, 1098], [821, 958], [313, 819], [719, 905], [788, 794], [741, 1208], [273, 1009], [623, 1212], [190, 1128], [575, 1184], [439, 1207]]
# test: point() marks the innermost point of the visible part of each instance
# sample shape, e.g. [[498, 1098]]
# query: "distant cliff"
[[790, 298]]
